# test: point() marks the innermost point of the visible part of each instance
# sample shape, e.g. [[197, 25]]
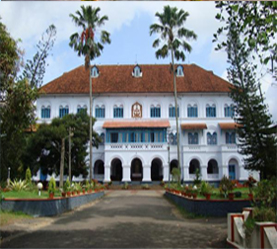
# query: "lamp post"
[[9, 176]]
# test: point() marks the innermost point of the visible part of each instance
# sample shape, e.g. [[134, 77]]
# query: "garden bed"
[[48, 207], [213, 207]]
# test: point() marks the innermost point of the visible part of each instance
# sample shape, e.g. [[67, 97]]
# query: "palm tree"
[[173, 37], [85, 43]]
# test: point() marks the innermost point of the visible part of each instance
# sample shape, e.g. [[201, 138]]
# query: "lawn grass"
[[8, 217], [28, 194]]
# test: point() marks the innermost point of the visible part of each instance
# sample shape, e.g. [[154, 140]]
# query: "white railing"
[[229, 147], [212, 176], [136, 146], [263, 236]]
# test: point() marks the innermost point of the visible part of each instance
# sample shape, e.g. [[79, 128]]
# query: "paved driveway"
[[125, 219]]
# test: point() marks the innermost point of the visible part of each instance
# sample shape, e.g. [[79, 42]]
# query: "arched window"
[[63, 111], [172, 138], [81, 108], [192, 111], [45, 112], [212, 138], [155, 111], [94, 72], [100, 111], [193, 166], [180, 71], [212, 167], [211, 111], [193, 138], [229, 111], [172, 111], [230, 137], [118, 111], [137, 71]]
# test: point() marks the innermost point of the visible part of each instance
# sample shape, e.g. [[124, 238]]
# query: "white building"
[[134, 108]]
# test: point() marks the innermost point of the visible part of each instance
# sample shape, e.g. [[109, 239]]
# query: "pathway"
[[124, 219]]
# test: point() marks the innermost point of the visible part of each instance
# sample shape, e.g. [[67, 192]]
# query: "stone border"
[[48, 207], [216, 208]]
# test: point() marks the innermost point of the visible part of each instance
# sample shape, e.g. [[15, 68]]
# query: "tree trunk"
[[90, 125], [69, 155], [176, 115], [62, 163]]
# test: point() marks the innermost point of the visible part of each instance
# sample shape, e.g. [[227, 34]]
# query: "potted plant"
[[78, 188], [189, 191], [206, 189], [226, 186], [66, 188], [194, 192], [51, 188]]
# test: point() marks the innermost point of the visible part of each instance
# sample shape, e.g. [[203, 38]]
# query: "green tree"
[[257, 22], [252, 114], [17, 104], [86, 44], [173, 36], [45, 147]]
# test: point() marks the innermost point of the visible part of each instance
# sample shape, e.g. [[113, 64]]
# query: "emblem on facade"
[[136, 110]]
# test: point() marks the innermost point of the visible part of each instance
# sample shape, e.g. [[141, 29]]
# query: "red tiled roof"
[[229, 126], [137, 124], [200, 126], [119, 79]]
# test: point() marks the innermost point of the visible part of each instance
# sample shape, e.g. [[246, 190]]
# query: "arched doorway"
[[116, 170], [212, 167], [173, 164], [136, 170], [193, 165], [98, 170], [157, 170], [233, 169]]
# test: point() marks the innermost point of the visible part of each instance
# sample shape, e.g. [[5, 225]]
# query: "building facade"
[[135, 116]]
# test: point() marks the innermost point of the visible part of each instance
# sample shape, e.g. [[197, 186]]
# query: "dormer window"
[[94, 72], [180, 71], [137, 71]]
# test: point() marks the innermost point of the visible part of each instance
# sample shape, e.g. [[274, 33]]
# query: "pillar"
[[107, 174], [146, 173], [126, 173], [165, 173], [186, 173], [204, 173]]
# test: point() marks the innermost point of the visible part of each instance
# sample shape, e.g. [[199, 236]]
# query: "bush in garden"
[[197, 179], [225, 186], [176, 173], [28, 176], [18, 185], [205, 188], [66, 186], [237, 194], [52, 186]]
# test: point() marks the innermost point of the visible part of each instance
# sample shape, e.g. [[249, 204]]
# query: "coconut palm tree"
[[173, 40], [85, 43]]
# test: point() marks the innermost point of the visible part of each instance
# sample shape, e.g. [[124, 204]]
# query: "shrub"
[[237, 194], [125, 186], [265, 192], [251, 182], [145, 186], [197, 179], [52, 186], [28, 176], [176, 173], [205, 188], [66, 186], [18, 185], [226, 186]]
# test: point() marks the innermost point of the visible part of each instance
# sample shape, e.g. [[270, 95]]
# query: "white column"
[[204, 172], [126, 173], [146, 173], [223, 171], [165, 173], [107, 173], [186, 173]]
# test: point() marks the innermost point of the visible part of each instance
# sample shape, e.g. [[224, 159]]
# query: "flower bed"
[[48, 207], [213, 207]]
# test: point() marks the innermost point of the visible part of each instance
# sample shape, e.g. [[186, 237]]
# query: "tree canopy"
[[45, 145]]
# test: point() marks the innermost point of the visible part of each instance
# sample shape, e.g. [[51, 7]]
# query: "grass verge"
[[8, 217]]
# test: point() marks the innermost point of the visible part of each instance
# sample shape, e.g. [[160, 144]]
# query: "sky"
[[131, 42]]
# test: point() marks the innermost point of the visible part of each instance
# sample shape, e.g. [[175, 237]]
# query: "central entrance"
[[136, 170]]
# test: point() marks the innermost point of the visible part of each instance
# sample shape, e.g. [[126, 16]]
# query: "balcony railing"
[[136, 146]]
